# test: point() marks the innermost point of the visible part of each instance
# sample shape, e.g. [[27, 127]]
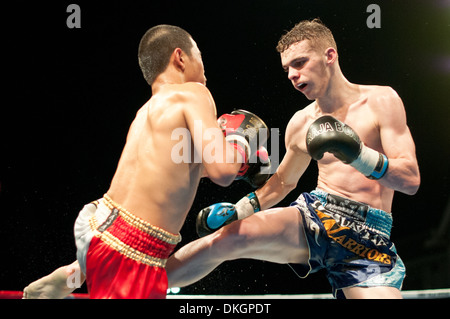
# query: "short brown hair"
[[314, 31], [156, 47]]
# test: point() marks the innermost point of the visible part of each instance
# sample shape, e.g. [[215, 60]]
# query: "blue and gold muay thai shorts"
[[351, 240]]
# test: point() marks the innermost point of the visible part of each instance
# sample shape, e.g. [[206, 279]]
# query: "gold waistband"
[[141, 224], [125, 249]]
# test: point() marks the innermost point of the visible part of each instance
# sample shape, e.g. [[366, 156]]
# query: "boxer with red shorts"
[[124, 240], [132, 252]]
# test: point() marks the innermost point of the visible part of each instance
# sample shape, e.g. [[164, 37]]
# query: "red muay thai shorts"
[[122, 256]]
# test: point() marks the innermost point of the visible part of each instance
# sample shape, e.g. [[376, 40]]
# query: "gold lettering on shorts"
[[333, 228]]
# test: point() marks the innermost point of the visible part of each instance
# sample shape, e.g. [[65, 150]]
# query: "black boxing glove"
[[257, 171], [327, 134]]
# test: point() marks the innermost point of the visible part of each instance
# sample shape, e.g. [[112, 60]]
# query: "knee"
[[230, 241]]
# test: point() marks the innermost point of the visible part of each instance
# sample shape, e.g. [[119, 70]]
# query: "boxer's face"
[[306, 68], [195, 71]]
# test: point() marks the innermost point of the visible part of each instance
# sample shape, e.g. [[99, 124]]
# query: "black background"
[[71, 94]]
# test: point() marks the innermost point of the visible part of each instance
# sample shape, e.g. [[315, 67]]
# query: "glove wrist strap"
[[371, 163], [247, 206]]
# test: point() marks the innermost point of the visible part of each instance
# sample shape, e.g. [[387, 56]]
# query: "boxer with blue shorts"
[[359, 138], [350, 240]]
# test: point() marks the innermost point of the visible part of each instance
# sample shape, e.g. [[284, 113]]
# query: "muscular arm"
[[292, 167], [220, 160], [403, 173], [284, 180]]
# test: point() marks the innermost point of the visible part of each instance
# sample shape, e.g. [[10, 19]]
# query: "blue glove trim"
[[254, 201], [379, 172], [219, 214]]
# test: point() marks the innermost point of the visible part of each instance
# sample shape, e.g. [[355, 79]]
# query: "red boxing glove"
[[244, 130]]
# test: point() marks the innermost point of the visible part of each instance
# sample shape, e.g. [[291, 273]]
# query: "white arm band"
[[371, 163], [247, 206]]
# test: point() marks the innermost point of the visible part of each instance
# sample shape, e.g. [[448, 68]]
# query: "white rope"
[[408, 294]]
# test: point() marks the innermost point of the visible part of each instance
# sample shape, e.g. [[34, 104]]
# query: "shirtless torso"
[[148, 181], [370, 105], [376, 113]]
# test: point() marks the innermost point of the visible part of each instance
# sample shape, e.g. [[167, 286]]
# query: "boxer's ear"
[[331, 55], [178, 59]]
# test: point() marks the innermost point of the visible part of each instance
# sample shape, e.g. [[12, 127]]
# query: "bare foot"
[[57, 285]]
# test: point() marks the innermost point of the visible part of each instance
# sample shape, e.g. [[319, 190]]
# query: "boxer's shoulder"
[[374, 90], [187, 96], [384, 103], [181, 98], [299, 123], [379, 96], [184, 92]]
